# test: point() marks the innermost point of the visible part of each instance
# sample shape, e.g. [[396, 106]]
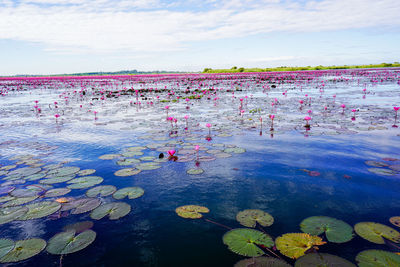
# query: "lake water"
[[291, 172]]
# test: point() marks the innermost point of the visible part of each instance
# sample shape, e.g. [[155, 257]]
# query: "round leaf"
[[113, 210], [262, 262], [322, 259], [6, 245], [130, 192], [40, 209], [250, 218], [56, 192], [191, 211], [67, 242], [336, 231], [127, 172], [24, 249], [84, 182], [11, 213], [101, 190], [294, 245], [374, 232], [377, 258]]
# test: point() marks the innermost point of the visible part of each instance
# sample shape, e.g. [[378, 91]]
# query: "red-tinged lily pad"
[[376, 163], [395, 220], [86, 172], [382, 171], [81, 205], [395, 167]]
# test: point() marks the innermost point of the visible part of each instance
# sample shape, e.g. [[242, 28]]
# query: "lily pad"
[[126, 162], [191, 211], [68, 242], [6, 245], [336, 231], [250, 218], [109, 156], [236, 150], [374, 232], [6, 189], [19, 201], [101, 190], [84, 182], [395, 220], [24, 249], [294, 245], [63, 171], [57, 179], [113, 210], [86, 172], [11, 213], [245, 241], [377, 258], [381, 171], [195, 171], [35, 176], [130, 154], [322, 259], [81, 205], [376, 163], [26, 192], [40, 210], [148, 166], [78, 227], [56, 192], [127, 172], [395, 167], [262, 262], [130, 192], [223, 155]]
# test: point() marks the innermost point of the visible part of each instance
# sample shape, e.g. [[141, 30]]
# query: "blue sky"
[[68, 36]]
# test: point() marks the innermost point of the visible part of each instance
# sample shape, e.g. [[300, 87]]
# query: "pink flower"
[[171, 152], [353, 110], [208, 125], [307, 118], [197, 148], [57, 116], [343, 105], [396, 108], [301, 102], [166, 107], [186, 117], [272, 117]]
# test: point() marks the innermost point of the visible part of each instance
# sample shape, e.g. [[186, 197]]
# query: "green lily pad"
[[22, 172], [57, 179], [26, 192], [101, 190], [336, 231], [6, 245], [84, 182], [130, 192], [223, 155], [126, 162], [63, 171], [262, 262], [86, 172], [19, 201], [195, 171], [40, 210], [109, 156], [236, 150], [377, 258], [294, 245], [381, 171], [113, 210], [322, 259], [147, 166], [374, 232], [250, 218], [56, 192], [78, 227], [127, 172], [82, 205], [147, 158], [245, 241], [130, 154], [36, 176], [8, 167], [53, 166], [68, 242], [12, 213], [206, 158], [135, 148], [24, 249], [6, 198], [191, 211]]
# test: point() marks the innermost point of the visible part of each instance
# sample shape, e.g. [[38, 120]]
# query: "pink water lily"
[[171, 152]]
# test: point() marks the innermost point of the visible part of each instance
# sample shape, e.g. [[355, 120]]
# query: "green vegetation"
[[284, 68]]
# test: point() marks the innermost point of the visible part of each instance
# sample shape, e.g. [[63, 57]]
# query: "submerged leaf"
[[24, 249], [67, 242], [246, 242], [250, 218], [191, 211], [322, 259], [374, 232], [294, 245], [377, 258], [336, 231]]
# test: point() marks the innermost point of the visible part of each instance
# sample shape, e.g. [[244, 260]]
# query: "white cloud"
[[104, 26]]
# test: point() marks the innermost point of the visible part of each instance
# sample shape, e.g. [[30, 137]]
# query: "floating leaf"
[[336, 231], [250, 218], [395, 220], [81, 205], [135, 148], [86, 172], [40, 209], [26, 171], [236, 150], [294, 245], [381, 171], [130, 154], [246, 241], [11, 213], [223, 155], [6, 189], [101, 190], [36, 176], [24, 249], [19, 201], [113, 210], [78, 227], [68, 242], [130, 192], [395, 167], [56, 192], [126, 162], [191, 211], [374, 232], [322, 259], [57, 180], [26, 192], [376, 163], [6, 245], [195, 171], [127, 172], [109, 156], [377, 258], [84, 182], [262, 262], [147, 166], [64, 171]]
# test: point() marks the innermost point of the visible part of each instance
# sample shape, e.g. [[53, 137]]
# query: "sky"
[[71, 36]]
